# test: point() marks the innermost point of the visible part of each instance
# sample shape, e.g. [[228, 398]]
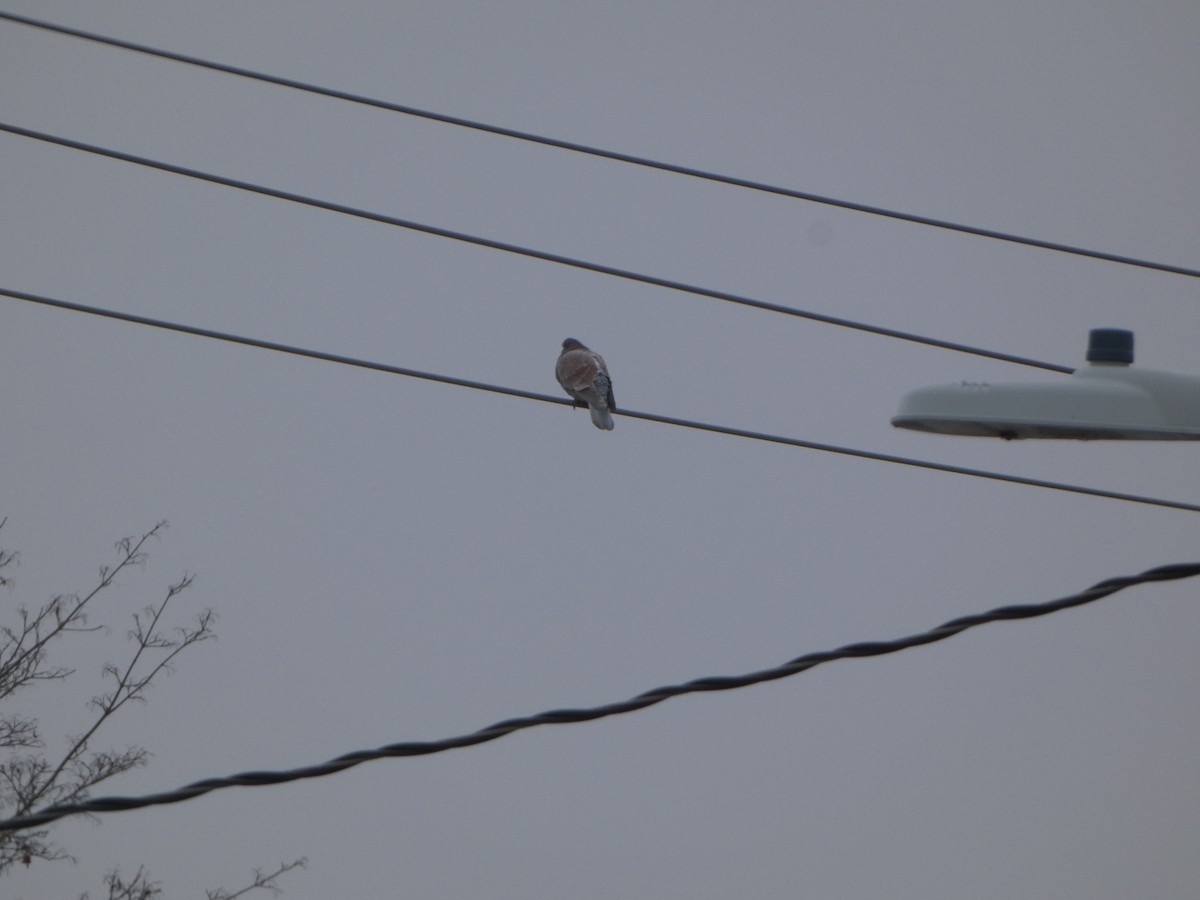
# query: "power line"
[[544, 398], [570, 716], [616, 156], [529, 252]]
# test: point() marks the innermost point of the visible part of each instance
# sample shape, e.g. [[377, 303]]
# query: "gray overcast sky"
[[398, 560]]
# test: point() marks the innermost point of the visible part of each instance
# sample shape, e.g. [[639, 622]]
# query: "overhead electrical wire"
[[570, 716], [544, 398], [529, 252], [644, 162]]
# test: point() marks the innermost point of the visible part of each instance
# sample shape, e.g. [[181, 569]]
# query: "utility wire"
[[572, 146], [530, 252], [569, 716], [544, 398]]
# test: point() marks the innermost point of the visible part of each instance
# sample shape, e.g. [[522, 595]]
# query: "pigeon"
[[584, 376]]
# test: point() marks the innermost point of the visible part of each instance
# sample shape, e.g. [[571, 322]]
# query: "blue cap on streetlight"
[[1110, 345]]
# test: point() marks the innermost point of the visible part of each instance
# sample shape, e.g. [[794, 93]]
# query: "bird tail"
[[601, 418]]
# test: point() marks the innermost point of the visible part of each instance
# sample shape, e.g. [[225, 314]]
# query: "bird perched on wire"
[[584, 376]]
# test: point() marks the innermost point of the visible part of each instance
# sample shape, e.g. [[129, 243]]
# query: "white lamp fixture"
[[1106, 399]]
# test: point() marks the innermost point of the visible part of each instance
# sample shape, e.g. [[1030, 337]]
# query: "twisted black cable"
[[574, 147], [641, 701], [629, 413], [519, 250]]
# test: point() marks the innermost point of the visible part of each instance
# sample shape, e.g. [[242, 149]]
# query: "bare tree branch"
[[132, 681], [18, 732], [6, 558], [29, 779], [261, 882], [140, 887], [22, 654]]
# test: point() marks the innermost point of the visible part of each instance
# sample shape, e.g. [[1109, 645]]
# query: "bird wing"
[[603, 388], [577, 369]]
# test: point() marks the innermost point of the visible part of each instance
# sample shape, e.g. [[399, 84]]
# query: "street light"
[[1105, 399]]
